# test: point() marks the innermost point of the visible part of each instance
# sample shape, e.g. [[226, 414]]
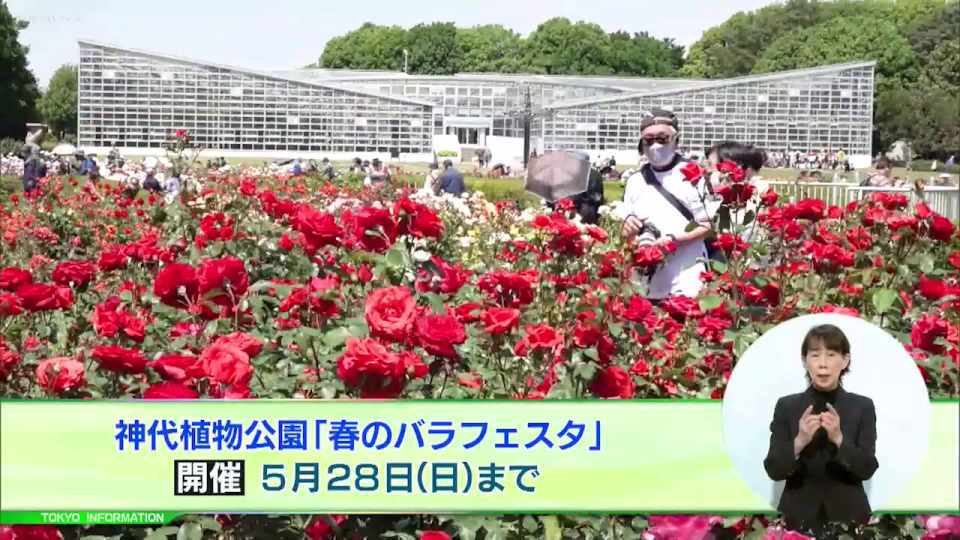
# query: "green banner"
[[87, 518], [299, 456]]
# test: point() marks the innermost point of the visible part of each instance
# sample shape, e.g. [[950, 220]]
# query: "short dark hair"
[[745, 155], [832, 338], [716, 147], [447, 164], [883, 163]]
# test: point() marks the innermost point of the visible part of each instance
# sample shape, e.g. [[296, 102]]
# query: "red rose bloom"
[[941, 228], [932, 289], [500, 320], [692, 172], [226, 364], [769, 198], [613, 382], [730, 168], [170, 390], [10, 305], [11, 278], [434, 535], [78, 273], [178, 367], [925, 332], [812, 209], [319, 229], [227, 276], [647, 255], [243, 341], [374, 229], [111, 260], [390, 312], [637, 309], [509, 289], [59, 375], [176, 284], [441, 277], [542, 336], [119, 359], [44, 297], [954, 259], [470, 312], [375, 371], [417, 219], [439, 333]]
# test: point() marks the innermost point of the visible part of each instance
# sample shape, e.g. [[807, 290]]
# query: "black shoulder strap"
[[651, 179]]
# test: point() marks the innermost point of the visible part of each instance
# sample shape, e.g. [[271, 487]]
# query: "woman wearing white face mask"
[[659, 196]]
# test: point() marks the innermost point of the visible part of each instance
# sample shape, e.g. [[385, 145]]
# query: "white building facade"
[[136, 100]]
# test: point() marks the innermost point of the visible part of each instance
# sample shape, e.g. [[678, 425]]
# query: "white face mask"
[[660, 154]]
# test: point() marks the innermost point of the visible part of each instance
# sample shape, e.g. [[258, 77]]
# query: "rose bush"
[[272, 287]]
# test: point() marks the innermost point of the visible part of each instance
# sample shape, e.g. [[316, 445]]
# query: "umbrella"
[[558, 175], [64, 149]]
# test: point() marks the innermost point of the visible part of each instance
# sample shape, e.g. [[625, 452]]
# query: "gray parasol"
[[556, 175]]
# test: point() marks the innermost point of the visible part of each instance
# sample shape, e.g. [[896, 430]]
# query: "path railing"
[[944, 200]]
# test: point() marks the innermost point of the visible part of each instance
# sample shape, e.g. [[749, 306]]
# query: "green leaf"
[[530, 523], [710, 302], [396, 257], [336, 337], [883, 299], [592, 354], [718, 266]]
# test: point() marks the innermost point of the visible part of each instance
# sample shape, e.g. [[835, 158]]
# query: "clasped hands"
[[829, 420], [634, 224]]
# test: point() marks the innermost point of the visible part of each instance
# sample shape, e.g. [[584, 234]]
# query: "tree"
[[58, 105], [643, 55], [559, 47], [843, 40], [18, 87], [433, 49], [368, 47], [490, 49]]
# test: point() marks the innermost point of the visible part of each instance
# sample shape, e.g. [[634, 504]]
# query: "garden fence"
[[944, 200]]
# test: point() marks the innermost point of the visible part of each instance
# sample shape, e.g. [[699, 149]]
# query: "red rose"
[[243, 341], [637, 309], [176, 284], [901, 221], [227, 276], [941, 228], [859, 238], [434, 535], [178, 367], [812, 209], [77, 273], [374, 229], [319, 229], [730, 168], [712, 329], [439, 333], [470, 312], [58, 375], [769, 198], [323, 527], [954, 259], [8, 361], [735, 194], [731, 244], [922, 211], [10, 305], [377, 372], [119, 359], [509, 289], [44, 297], [217, 226], [925, 332], [500, 320], [390, 312], [692, 172], [226, 364], [613, 382], [542, 336], [111, 260], [170, 390], [29, 532], [441, 277], [417, 219], [681, 307], [932, 289], [11, 278], [647, 255]]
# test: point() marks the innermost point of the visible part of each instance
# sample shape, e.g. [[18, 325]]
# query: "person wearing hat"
[[659, 206]]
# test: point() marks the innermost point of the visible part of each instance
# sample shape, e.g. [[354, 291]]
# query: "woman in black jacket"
[[823, 440]]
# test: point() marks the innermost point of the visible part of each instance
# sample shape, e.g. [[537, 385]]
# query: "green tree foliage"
[[558, 46], [489, 49], [844, 39], [433, 49], [18, 87], [642, 54], [368, 47], [58, 105]]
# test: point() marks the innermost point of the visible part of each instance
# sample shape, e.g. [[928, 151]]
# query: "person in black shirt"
[[823, 440]]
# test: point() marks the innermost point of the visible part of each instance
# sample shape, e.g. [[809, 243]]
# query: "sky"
[[284, 34]]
